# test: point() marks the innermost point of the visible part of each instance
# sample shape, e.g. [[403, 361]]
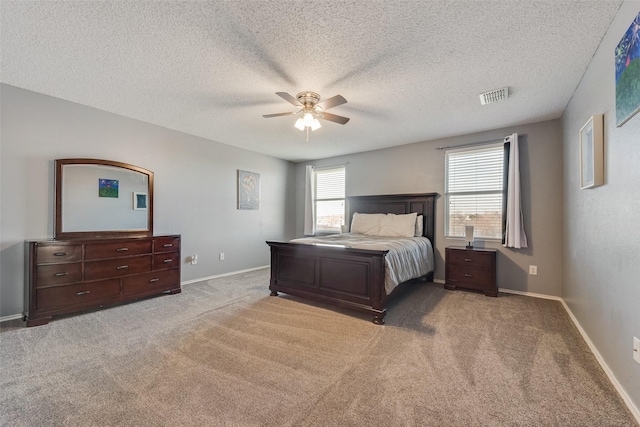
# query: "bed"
[[348, 277]]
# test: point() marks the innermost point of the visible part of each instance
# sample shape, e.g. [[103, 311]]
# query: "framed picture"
[[592, 153], [248, 190], [628, 73], [139, 201], [108, 188]]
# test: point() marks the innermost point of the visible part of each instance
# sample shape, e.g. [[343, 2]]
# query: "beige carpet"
[[224, 353]]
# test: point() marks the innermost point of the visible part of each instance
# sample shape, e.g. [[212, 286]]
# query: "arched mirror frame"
[[60, 234]]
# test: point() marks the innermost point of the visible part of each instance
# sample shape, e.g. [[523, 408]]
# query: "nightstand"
[[471, 268]]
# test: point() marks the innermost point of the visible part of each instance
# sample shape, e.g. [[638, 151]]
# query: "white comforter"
[[408, 257]]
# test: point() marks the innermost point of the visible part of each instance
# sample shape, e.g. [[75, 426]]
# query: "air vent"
[[494, 96]]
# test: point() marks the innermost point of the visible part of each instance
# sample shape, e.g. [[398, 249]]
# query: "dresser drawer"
[[166, 244], [117, 267], [152, 282], [117, 249], [83, 294], [166, 260], [470, 278], [57, 274], [470, 258], [58, 253]]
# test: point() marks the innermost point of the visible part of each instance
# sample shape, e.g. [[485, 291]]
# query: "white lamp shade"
[[468, 231], [299, 124], [316, 124]]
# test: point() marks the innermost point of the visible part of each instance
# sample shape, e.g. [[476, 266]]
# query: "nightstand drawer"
[[470, 278], [471, 268], [470, 259]]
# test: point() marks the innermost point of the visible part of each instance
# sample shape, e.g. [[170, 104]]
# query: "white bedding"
[[408, 257]]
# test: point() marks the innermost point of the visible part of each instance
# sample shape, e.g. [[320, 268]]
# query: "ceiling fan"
[[311, 109]]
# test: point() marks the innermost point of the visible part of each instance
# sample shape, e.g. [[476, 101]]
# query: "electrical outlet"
[[636, 349], [194, 259], [533, 270], [221, 256]]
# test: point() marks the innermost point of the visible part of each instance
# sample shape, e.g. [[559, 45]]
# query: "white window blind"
[[474, 191], [329, 199]]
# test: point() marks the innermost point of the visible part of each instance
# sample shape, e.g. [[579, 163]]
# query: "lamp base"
[[469, 245]]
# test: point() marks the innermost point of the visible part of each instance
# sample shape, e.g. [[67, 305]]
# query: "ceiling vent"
[[494, 96]]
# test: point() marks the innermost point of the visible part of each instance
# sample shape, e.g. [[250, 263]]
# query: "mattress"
[[408, 257]]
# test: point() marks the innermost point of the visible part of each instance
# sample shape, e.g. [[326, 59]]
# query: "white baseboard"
[[625, 397], [217, 276], [621, 391], [12, 317], [438, 281], [530, 294]]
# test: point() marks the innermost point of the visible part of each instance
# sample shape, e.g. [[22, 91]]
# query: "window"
[[475, 191], [329, 199]]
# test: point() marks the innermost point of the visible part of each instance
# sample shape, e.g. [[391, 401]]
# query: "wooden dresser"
[[471, 268], [65, 276]]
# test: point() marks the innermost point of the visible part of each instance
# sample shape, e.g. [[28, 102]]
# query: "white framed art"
[[592, 153], [139, 201]]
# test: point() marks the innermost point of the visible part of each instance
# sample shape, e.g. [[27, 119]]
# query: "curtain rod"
[[493, 141]]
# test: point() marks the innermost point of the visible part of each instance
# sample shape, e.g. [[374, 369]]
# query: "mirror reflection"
[[96, 197], [101, 198]]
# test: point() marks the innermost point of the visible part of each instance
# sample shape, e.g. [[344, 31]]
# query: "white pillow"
[[366, 223], [419, 226], [398, 225]]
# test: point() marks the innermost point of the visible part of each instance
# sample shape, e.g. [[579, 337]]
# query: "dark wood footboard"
[[352, 278], [347, 277]]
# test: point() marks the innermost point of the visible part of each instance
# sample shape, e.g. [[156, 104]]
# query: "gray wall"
[[195, 185], [602, 231], [419, 168]]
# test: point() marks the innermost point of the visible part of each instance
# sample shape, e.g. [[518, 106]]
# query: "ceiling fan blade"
[[266, 116], [332, 102], [289, 98], [335, 118]]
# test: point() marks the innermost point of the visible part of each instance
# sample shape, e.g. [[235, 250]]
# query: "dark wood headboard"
[[424, 204]]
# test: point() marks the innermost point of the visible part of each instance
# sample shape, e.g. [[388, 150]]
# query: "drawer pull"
[[468, 275], [122, 267], [167, 260], [168, 245], [467, 260], [154, 280], [61, 274], [83, 293], [122, 249], [60, 254]]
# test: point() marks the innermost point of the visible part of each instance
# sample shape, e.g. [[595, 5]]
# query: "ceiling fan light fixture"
[[310, 110], [308, 119]]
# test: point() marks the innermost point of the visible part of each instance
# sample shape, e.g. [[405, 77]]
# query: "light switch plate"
[[636, 349]]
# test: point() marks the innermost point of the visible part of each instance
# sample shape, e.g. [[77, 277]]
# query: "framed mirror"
[[102, 198]]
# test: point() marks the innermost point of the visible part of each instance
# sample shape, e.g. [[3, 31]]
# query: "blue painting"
[[107, 187], [628, 73]]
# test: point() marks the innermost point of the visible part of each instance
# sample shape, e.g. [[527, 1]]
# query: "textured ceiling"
[[411, 70]]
